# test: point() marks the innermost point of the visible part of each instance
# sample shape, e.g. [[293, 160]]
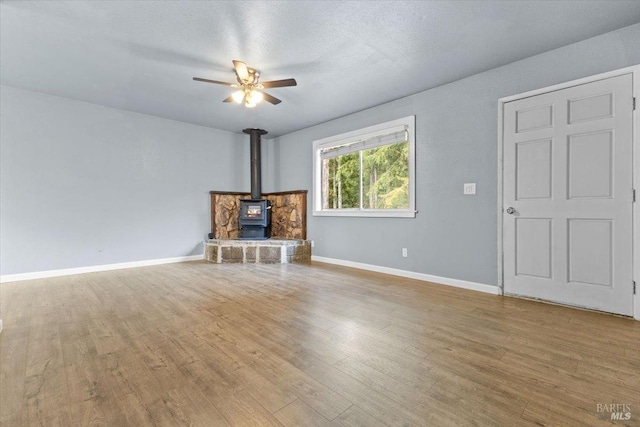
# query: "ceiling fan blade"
[[241, 70], [228, 99], [280, 83], [271, 99], [198, 79]]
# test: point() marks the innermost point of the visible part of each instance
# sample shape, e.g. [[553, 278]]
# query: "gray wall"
[[453, 235], [85, 185]]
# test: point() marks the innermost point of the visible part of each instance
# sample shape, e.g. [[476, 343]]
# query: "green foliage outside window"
[[381, 172]]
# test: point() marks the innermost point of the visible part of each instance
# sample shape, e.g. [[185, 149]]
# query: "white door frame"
[[635, 71]]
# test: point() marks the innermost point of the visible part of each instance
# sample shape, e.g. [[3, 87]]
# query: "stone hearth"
[[270, 251]]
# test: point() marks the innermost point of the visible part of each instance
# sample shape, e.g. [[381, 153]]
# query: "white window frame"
[[381, 129]]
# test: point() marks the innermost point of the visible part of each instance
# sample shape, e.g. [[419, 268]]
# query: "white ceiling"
[[346, 56]]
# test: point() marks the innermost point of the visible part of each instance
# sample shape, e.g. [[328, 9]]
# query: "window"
[[368, 172]]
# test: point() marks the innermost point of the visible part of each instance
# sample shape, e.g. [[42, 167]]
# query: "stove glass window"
[[254, 211]]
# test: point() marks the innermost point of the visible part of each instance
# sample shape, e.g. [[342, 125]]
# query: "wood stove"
[[255, 219], [255, 213]]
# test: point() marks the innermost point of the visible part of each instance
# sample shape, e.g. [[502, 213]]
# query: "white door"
[[567, 217]]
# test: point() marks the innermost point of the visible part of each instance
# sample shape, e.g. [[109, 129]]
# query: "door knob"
[[511, 211]]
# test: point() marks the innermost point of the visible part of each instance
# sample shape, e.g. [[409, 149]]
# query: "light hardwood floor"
[[299, 345]]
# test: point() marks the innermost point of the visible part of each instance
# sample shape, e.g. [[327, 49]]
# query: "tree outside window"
[[366, 173], [382, 171]]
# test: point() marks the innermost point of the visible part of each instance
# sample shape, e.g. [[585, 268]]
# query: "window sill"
[[396, 213]]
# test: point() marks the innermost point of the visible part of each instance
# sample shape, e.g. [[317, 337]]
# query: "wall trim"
[[480, 287], [95, 268]]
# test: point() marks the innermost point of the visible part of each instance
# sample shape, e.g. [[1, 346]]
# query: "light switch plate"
[[469, 188]]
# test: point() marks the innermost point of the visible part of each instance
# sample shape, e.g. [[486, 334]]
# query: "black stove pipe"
[[256, 160]]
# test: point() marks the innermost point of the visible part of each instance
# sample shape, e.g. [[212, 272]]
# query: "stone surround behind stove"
[[288, 214]]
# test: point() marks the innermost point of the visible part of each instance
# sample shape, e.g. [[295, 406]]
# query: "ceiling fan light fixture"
[[255, 96], [248, 86], [238, 96]]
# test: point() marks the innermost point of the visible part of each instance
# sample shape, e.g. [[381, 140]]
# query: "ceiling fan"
[[250, 89]]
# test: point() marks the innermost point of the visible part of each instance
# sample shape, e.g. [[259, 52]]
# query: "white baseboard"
[[480, 287], [94, 268]]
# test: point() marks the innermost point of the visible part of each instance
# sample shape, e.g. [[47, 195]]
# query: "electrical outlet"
[[404, 252], [469, 188], [313, 244]]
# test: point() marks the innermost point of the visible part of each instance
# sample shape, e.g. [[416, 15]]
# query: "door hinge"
[[634, 102], [634, 287], [633, 195]]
